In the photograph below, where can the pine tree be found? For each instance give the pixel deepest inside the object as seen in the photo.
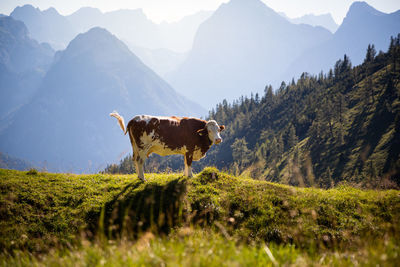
(327, 181)
(269, 94)
(257, 98)
(282, 88)
(328, 116)
(370, 89)
(280, 146)
(371, 53)
(240, 152)
(341, 107)
(276, 174)
(291, 137)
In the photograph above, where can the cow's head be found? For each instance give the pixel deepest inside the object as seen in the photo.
(212, 129)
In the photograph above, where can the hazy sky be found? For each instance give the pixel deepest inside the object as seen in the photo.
(170, 10)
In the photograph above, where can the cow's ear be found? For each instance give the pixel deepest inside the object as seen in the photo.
(221, 128)
(202, 132)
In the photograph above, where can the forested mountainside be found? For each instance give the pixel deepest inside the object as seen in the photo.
(340, 126)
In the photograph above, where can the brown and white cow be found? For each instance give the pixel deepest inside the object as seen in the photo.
(190, 137)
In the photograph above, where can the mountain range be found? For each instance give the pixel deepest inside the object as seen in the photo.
(67, 124)
(245, 45)
(45, 26)
(130, 25)
(50, 102)
(241, 41)
(161, 46)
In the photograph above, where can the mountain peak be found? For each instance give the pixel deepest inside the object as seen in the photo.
(129, 12)
(24, 10)
(51, 11)
(96, 36)
(360, 5)
(249, 10)
(88, 9)
(98, 31)
(97, 45)
(246, 4)
(359, 9)
(26, 7)
(360, 13)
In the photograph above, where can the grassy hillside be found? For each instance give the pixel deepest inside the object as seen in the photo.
(211, 219)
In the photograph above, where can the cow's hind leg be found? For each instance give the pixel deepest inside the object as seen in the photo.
(140, 169)
(188, 165)
(139, 162)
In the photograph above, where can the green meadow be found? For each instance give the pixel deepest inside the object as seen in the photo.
(213, 219)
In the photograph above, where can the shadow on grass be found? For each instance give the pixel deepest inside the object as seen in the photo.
(141, 207)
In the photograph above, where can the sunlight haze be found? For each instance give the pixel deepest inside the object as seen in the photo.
(173, 10)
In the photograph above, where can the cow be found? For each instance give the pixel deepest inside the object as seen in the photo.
(190, 137)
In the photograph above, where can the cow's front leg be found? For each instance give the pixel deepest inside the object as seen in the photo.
(188, 165)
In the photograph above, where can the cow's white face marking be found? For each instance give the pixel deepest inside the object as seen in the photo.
(213, 132)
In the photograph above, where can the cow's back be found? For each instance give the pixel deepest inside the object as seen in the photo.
(174, 133)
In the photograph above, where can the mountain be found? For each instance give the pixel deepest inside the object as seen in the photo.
(242, 47)
(67, 123)
(46, 26)
(362, 25)
(323, 20)
(23, 63)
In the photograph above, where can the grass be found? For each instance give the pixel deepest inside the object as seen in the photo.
(188, 247)
(211, 219)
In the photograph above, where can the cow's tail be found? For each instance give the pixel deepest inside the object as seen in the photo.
(120, 119)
